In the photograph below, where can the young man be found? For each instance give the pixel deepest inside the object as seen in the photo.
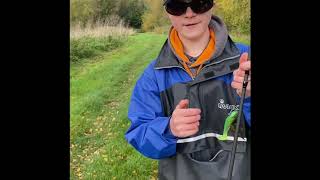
(181, 103)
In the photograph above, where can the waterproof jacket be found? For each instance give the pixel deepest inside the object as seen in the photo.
(163, 84)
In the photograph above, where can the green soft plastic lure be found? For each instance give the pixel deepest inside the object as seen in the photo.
(227, 124)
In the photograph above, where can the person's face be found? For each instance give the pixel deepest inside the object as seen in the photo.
(191, 25)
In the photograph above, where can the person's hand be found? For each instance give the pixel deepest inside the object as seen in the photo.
(238, 75)
(184, 121)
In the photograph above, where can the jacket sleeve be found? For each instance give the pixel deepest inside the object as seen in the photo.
(247, 101)
(149, 132)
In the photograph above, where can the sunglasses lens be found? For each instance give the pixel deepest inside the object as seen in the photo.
(201, 6)
(178, 8)
(175, 8)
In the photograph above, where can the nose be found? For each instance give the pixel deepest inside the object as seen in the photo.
(189, 13)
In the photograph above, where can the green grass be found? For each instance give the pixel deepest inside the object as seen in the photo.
(88, 47)
(100, 93)
(101, 87)
(243, 38)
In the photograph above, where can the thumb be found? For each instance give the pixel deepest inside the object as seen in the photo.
(183, 104)
(243, 58)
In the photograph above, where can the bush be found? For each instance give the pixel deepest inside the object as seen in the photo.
(91, 11)
(131, 12)
(235, 13)
(87, 47)
(154, 17)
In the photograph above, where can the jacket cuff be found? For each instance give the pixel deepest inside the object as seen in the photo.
(167, 133)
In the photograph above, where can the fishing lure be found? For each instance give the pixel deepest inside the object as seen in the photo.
(227, 124)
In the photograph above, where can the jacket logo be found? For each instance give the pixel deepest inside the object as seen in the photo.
(222, 105)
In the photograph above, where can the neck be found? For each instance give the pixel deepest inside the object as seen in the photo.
(194, 47)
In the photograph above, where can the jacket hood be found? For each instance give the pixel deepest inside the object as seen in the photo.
(168, 58)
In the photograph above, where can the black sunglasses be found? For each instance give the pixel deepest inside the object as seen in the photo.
(177, 8)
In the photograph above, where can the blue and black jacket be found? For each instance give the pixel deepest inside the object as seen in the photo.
(161, 87)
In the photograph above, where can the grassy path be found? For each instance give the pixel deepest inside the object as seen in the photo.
(100, 94)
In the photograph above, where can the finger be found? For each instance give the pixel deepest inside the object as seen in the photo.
(236, 85)
(183, 104)
(239, 91)
(191, 119)
(245, 66)
(239, 79)
(188, 112)
(188, 127)
(243, 58)
(239, 73)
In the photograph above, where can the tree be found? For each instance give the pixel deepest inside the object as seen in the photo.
(81, 11)
(154, 15)
(235, 13)
(131, 11)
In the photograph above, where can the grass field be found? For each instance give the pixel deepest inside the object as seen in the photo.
(100, 93)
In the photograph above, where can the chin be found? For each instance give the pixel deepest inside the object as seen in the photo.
(192, 35)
